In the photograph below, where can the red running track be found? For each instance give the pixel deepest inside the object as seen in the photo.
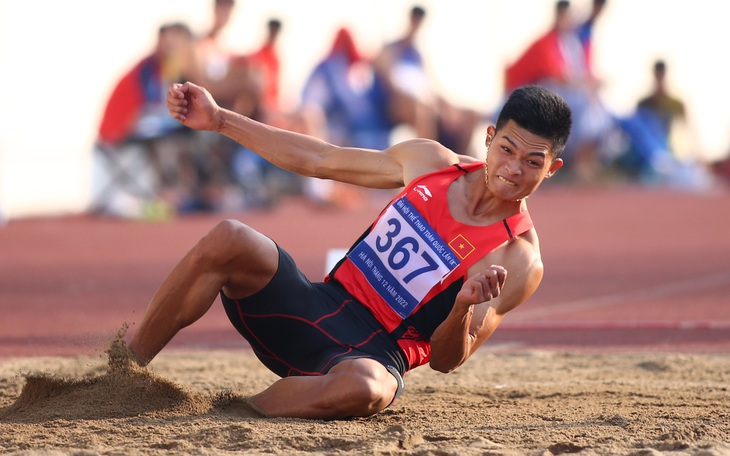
(627, 269)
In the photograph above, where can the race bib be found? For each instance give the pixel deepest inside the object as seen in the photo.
(403, 257)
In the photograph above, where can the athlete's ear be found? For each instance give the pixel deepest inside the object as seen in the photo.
(554, 166)
(490, 135)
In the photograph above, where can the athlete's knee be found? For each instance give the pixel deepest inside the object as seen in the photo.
(369, 391)
(372, 395)
(222, 243)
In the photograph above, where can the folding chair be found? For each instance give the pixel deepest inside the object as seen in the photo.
(123, 178)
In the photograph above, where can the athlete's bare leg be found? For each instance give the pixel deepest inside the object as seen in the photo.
(241, 261)
(354, 387)
(232, 257)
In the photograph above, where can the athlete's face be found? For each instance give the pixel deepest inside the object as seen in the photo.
(517, 161)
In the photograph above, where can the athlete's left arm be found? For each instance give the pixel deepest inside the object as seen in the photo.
(480, 306)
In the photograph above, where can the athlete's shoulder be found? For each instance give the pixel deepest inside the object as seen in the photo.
(423, 146)
(520, 251)
(422, 156)
(524, 250)
(520, 255)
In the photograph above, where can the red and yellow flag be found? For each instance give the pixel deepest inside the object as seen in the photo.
(461, 246)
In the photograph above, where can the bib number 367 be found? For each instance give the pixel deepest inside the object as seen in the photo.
(401, 249)
(403, 258)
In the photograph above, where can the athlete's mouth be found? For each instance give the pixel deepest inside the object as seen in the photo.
(507, 181)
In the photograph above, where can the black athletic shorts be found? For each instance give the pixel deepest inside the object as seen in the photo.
(297, 327)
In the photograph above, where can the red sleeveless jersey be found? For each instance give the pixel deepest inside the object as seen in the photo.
(412, 261)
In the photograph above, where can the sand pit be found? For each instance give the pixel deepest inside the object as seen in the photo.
(122, 390)
(510, 403)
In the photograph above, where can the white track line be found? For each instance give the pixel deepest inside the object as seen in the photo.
(659, 291)
(617, 324)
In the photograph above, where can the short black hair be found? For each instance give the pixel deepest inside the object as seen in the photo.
(541, 112)
(177, 27)
(418, 12)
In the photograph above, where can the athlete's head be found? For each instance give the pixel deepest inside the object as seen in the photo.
(540, 112)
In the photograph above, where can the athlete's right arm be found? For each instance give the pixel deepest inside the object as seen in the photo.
(306, 155)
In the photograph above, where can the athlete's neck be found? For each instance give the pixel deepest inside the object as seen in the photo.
(471, 202)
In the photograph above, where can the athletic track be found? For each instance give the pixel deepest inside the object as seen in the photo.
(627, 269)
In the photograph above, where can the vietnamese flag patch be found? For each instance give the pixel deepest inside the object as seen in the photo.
(461, 246)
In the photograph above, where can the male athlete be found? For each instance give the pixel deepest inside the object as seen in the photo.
(428, 282)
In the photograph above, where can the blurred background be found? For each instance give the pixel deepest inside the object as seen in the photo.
(61, 62)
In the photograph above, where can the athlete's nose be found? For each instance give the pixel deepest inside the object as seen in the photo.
(513, 167)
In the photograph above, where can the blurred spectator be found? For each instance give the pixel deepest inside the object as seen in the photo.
(262, 182)
(340, 90)
(215, 59)
(265, 67)
(585, 31)
(227, 77)
(668, 109)
(136, 107)
(263, 101)
(656, 154)
(136, 130)
(409, 98)
(230, 78)
(557, 61)
(341, 86)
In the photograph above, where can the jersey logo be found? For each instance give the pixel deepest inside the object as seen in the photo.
(462, 246)
(412, 334)
(423, 191)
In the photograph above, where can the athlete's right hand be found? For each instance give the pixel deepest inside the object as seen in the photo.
(483, 286)
(193, 106)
